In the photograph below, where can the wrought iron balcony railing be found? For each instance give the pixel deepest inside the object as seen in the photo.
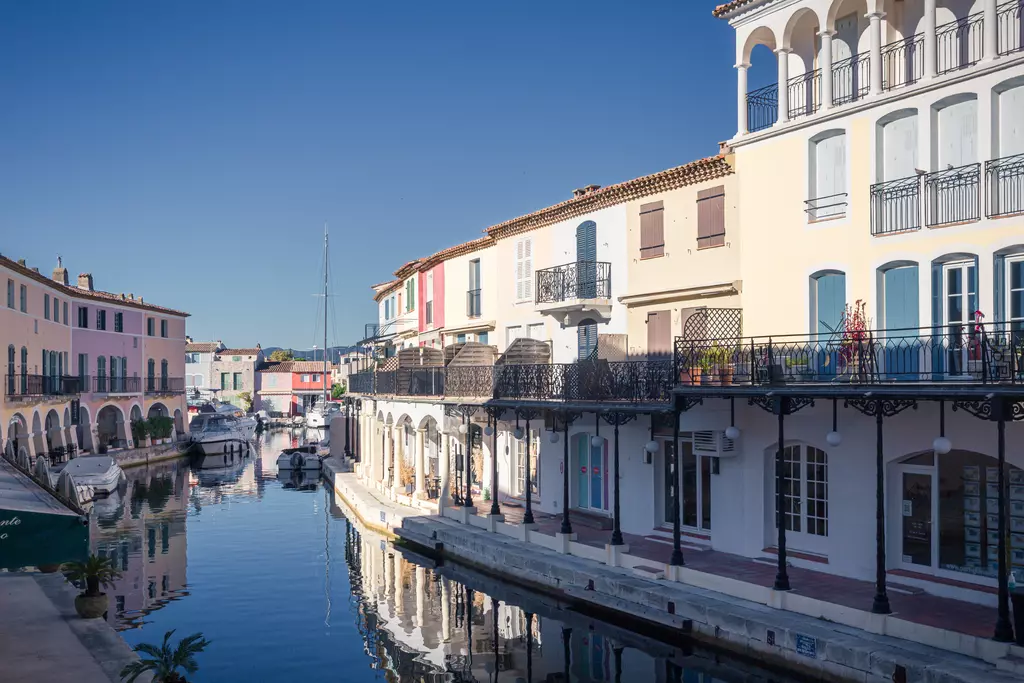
(988, 353)
(577, 280)
(851, 78)
(29, 386)
(896, 206)
(1004, 186)
(804, 94)
(953, 195)
(762, 107)
(1009, 29)
(903, 62)
(469, 380)
(626, 381)
(165, 385)
(362, 382)
(101, 384)
(960, 43)
(831, 206)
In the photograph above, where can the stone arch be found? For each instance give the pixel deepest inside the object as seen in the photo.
(18, 434)
(389, 420)
(762, 35)
(110, 427)
(158, 409)
(51, 430)
(795, 34)
(84, 429)
(135, 412)
(842, 8)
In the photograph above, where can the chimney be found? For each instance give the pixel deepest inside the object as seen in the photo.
(131, 296)
(591, 188)
(21, 262)
(85, 281)
(578, 192)
(724, 149)
(60, 273)
(188, 339)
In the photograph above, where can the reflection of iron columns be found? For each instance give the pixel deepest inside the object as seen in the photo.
(880, 409)
(566, 650)
(1004, 630)
(677, 546)
(617, 419)
(528, 414)
(529, 646)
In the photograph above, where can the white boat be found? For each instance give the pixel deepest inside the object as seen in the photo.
(320, 418)
(84, 478)
(300, 458)
(217, 440)
(247, 423)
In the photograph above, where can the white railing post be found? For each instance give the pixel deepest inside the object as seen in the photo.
(825, 59)
(876, 51)
(783, 58)
(741, 99)
(929, 39)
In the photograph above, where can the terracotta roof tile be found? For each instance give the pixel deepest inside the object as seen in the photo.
(456, 251)
(698, 171)
(724, 9)
(201, 347)
(308, 366)
(95, 295)
(239, 352)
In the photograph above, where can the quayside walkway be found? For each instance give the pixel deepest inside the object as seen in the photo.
(823, 627)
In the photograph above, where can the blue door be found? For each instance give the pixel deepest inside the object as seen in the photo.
(829, 309)
(902, 338)
(586, 260)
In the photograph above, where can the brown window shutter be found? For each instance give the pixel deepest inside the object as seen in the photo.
(652, 230)
(659, 334)
(711, 217)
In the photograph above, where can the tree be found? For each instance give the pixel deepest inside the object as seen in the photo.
(282, 355)
(337, 391)
(246, 399)
(165, 662)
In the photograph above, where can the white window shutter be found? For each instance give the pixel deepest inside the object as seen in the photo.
(839, 164)
(527, 269)
(519, 270)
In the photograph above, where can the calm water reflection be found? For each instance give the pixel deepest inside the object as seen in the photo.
(288, 589)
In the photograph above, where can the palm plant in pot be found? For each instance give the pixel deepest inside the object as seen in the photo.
(165, 661)
(96, 572)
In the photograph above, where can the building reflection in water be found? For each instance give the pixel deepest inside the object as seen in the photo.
(141, 529)
(425, 623)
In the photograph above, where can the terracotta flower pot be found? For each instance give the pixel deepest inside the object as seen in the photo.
(725, 374)
(91, 606)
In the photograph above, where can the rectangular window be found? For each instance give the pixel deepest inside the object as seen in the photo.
(66, 321)
(410, 295)
(535, 331)
(711, 217)
(225, 381)
(46, 306)
(521, 465)
(460, 339)
(482, 337)
(305, 378)
(83, 370)
(83, 317)
(150, 327)
(10, 294)
(473, 294)
(237, 381)
(524, 269)
(163, 328)
(56, 310)
(118, 322)
(1015, 296)
(316, 378)
(512, 333)
(429, 298)
(652, 230)
(24, 298)
(101, 319)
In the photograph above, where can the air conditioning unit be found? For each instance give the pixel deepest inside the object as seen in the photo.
(714, 443)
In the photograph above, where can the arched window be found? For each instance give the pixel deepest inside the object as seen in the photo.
(827, 302)
(586, 338)
(828, 194)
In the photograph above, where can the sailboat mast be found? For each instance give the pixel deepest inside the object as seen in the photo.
(326, 266)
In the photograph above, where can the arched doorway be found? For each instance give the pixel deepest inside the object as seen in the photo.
(157, 410)
(38, 436)
(84, 429)
(947, 521)
(51, 431)
(431, 447)
(110, 427)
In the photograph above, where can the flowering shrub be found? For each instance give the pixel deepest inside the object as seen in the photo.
(855, 329)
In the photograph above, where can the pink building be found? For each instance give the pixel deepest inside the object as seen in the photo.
(431, 304)
(81, 364)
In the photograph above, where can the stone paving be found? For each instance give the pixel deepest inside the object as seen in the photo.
(43, 639)
(841, 653)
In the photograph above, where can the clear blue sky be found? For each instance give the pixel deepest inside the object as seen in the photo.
(191, 152)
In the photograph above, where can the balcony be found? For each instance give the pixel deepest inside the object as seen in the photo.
(825, 208)
(896, 206)
(165, 385)
(952, 196)
(37, 386)
(990, 353)
(102, 384)
(1004, 184)
(644, 381)
(1008, 27)
(575, 287)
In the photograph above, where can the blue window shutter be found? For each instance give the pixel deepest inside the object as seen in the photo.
(936, 351)
(586, 241)
(831, 300)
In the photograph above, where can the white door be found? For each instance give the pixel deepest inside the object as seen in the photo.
(959, 286)
(805, 502)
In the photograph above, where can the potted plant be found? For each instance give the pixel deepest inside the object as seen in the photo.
(164, 662)
(96, 572)
(718, 362)
(140, 433)
(160, 427)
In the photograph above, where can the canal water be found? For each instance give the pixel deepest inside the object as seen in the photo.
(287, 588)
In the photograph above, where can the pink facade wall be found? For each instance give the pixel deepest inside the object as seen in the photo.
(171, 347)
(31, 330)
(438, 307)
(95, 343)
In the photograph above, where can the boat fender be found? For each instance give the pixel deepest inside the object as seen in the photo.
(43, 471)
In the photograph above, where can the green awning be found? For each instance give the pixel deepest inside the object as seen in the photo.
(36, 529)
